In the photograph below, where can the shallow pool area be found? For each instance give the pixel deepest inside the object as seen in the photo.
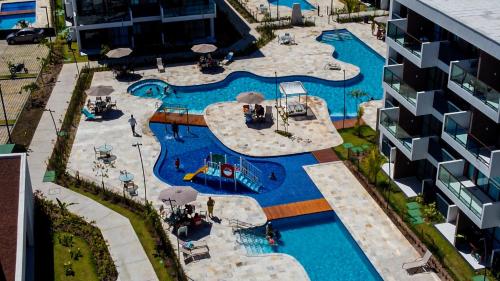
(304, 5)
(192, 148)
(320, 242)
(348, 48)
(10, 21)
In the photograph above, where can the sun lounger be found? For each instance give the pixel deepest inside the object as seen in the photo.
(295, 109)
(333, 66)
(228, 59)
(191, 253)
(159, 64)
(269, 114)
(88, 114)
(418, 263)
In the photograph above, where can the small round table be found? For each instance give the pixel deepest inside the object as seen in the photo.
(105, 148)
(126, 177)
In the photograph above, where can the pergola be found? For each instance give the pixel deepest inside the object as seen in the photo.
(290, 89)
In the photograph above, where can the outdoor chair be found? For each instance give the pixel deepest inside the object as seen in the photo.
(191, 253)
(88, 114)
(418, 263)
(159, 64)
(228, 59)
(262, 9)
(131, 187)
(97, 153)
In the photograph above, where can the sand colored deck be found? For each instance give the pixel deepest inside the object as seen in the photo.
(297, 209)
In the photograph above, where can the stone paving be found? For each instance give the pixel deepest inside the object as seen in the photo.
(381, 241)
(227, 122)
(124, 246)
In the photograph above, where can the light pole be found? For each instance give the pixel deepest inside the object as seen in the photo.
(343, 115)
(47, 15)
(5, 115)
(138, 145)
(53, 120)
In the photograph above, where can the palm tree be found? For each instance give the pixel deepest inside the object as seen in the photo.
(358, 94)
(63, 206)
(357, 126)
(350, 6)
(375, 161)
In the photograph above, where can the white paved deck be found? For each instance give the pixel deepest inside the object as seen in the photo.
(125, 248)
(381, 241)
(227, 122)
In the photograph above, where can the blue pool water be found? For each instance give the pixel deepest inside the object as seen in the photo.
(18, 6)
(304, 5)
(348, 48)
(292, 184)
(321, 243)
(9, 21)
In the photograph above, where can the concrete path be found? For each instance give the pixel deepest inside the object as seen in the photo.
(126, 250)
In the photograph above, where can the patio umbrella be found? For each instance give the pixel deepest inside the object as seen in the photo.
(99, 91)
(204, 48)
(250, 97)
(178, 195)
(118, 53)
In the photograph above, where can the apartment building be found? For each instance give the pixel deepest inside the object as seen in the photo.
(141, 24)
(440, 125)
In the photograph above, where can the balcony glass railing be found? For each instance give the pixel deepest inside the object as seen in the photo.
(400, 86)
(97, 18)
(189, 10)
(439, 153)
(404, 39)
(145, 10)
(461, 135)
(399, 133)
(456, 187)
(475, 87)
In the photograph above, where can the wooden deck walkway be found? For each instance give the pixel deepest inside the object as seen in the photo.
(18, 12)
(297, 209)
(181, 119)
(325, 155)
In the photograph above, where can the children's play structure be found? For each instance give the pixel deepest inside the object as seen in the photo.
(217, 166)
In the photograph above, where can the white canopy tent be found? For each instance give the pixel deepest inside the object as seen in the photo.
(289, 89)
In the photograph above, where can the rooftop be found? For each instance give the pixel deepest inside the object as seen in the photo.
(482, 16)
(9, 183)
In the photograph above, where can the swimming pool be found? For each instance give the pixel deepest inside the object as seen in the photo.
(10, 21)
(292, 184)
(348, 48)
(18, 6)
(320, 242)
(304, 5)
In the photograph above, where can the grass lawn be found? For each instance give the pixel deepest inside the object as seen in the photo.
(439, 246)
(70, 56)
(140, 228)
(84, 267)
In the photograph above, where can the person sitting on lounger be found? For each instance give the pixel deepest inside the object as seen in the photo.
(197, 219)
(259, 111)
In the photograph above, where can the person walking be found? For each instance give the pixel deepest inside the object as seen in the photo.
(132, 123)
(177, 163)
(210, 207)
(175, 130)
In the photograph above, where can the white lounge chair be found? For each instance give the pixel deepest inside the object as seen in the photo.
(228, 59)
(418, 263)
(333, 66)
(159, 64)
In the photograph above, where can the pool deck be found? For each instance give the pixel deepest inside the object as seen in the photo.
(381, 241)
(227, 123)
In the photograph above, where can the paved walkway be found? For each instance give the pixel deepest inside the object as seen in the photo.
(125, 248)
(381, 241)
(314, 132)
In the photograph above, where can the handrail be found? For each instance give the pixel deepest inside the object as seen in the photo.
(475, 86)
(186, 10)
(447, 178)
(472, 144)
(237, 224)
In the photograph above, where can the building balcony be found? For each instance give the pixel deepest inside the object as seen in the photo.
(456, 133)
(414, 147)
(436, 153)
(469, 198)
(421, 52)
(417, 102)
(463, 81)
(146, 12)
(410, 186)
(189, 11)
(108, 20)
(441, 106)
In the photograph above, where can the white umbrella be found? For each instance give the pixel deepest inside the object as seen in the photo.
(99, 91)
(204, 48)
(178, 195)
(118, 53)
(250, 97)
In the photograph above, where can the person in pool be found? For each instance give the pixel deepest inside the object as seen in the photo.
(269, 230)
(149, 92)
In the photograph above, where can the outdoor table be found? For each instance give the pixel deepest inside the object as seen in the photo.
(126, 177)
(105, 148)
(109, 159)
(357, 149)
(347, 145)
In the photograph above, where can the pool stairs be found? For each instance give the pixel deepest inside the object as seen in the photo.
(252, 237)
(336, 36)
